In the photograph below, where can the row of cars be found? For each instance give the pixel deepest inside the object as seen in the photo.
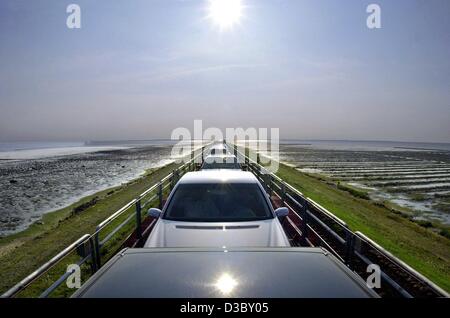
(220, 205)
(219, 236)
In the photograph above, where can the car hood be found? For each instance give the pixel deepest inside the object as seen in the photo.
(266, 233)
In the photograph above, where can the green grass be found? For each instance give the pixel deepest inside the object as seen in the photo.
(443, 206)
(418, 196)
(22, 253)
(353, 191)
(421, 248)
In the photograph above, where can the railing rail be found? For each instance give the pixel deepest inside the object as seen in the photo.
(45, 267)
(401, 264)
(157, 193)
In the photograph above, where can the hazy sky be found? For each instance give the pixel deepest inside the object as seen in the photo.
(139, 69)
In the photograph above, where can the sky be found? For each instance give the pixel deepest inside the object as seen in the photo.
(138, 69)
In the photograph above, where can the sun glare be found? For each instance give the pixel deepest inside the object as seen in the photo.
(226, 284)
(225, 13)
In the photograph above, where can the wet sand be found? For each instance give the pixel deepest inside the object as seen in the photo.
(31, 187)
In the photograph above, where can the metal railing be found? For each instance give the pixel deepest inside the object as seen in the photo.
(46, 267)
(310, 224)
(128, 220)
(92, 250)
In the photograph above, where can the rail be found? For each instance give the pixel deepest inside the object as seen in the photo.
(45, 267)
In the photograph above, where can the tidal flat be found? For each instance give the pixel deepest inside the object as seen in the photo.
(412, 178)
(31, 187)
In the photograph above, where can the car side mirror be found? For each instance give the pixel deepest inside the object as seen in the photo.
(281, 212)
(154, 212)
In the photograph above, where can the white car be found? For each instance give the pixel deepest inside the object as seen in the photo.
(218, 149)
(218, 208)
(221, 162)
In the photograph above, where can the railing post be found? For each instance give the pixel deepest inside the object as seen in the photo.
(160, 195)
(172, 180)
(138, 220)
(283, 191)
(349, 245)
(98, 258)
(268, 182)
(203, 153)
(305, 220)
(92, 247)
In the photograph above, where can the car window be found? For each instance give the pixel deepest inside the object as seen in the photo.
(221, 164)
(218, 202)
(219, 151)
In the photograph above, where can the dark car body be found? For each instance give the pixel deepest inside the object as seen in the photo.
(237, 272)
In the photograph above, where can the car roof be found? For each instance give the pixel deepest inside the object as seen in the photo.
(218, 146)
(220, 156)
(205, 273)
(218, 176)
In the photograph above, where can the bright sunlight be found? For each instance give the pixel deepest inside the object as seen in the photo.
(225, 13)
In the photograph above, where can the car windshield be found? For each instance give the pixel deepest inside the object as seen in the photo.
(218, 202)
(218, 151)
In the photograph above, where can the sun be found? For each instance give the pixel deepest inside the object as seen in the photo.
(225, 13)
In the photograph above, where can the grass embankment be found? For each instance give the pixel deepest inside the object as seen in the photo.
(421, 248)
(24, 252)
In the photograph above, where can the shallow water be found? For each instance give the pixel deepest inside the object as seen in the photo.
(421, 171)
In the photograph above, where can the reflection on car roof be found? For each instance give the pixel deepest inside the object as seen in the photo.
(220, 156)
(218, 176)
(218, 146)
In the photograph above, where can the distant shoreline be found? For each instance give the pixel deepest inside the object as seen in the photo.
(41, 153)
(417, 148)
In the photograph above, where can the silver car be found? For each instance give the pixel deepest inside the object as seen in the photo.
(218, 149)
(218, 208)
